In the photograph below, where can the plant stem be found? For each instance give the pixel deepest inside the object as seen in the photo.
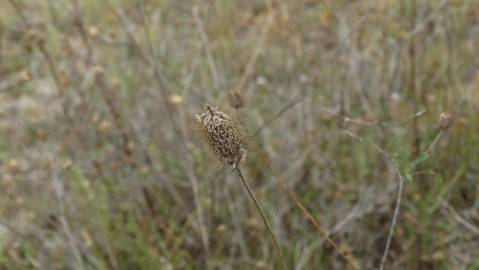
(263, 216)
(348, 258)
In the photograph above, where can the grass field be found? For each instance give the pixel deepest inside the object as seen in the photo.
(368, 110)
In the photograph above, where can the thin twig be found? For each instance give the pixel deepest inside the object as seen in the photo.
(190, 171)
(357, 121)
(353, 214)
(79, 23)
(205, 42)
(1, 41)
(400, 186)
(18, 10)
(460, 219)
(51, 65)
(395, 216)
(31, 240)
(308, 214)
(397, 208)
(263, 216)
(278, 114)
(349, 259)
(59, 192)
(256, 51)
(179, 128)
(436, 139)
(56, 81)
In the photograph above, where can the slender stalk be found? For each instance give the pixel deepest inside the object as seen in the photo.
(395, 218)
(399, 198)
(309, 216)
(349, 258)
(263, 216)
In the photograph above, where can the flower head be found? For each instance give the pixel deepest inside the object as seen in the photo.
(222, 135)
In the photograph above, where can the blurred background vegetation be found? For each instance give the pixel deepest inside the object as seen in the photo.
(102, 168)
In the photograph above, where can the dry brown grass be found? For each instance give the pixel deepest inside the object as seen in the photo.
(101, 170)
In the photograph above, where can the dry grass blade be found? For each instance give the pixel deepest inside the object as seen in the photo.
(309, 216)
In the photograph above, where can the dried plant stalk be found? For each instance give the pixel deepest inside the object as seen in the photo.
(263, 216)
(225, 139)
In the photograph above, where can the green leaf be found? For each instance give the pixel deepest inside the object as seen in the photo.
(420, 159)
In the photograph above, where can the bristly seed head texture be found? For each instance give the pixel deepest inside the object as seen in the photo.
(222, 135)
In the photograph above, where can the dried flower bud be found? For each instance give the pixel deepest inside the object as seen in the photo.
(145, 170)
(445, 120)
(93, 31)
(104, 126)
(33, 38)
(130, 147)
(98, 71)
(175, 99)
(26, 75)
(66, 163)
(63, 77)
(222, 135)
(221, 228)
(236, 99)
(12, 166)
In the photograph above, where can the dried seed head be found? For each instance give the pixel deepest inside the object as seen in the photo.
(445, 120)
(34, 38)
(236, 99)
(222, 135)
(93, 31)
(175, 99)
(98, 71)
(26, 75)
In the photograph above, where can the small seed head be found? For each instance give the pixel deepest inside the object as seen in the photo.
(98, 71)
(236, 99)
(34, 38)
(175, 99)
(445, 120)
(222, 135)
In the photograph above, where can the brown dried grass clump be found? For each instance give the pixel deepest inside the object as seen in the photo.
(222, 134)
